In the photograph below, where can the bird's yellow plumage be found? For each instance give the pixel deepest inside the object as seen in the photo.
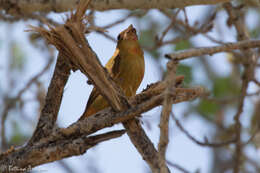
(126, 67)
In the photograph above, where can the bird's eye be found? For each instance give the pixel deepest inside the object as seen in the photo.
(133, 30)
(118, 37)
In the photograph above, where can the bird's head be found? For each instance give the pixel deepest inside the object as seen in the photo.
(127, 41)
(128, 34)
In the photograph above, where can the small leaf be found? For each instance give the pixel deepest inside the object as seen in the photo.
(146, 38)
(17, 58)
(254, 33)
(184, 44)
(185, 70)
(17, 137)
(228, 133)
(207, 108)
(224, 87)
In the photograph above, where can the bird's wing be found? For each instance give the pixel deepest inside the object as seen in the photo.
(113, 68)
(94, 94)
(113, 64)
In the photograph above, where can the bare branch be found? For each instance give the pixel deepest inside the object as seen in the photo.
(143, 102)
(167, 108)
(205, 143)
(227, 47)
(53, 100)
(11, 101)
(52, 151)
(236, 18)
(30, 6)
(72, 139)
(176, 166)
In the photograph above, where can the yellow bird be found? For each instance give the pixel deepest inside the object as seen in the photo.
(126, 67)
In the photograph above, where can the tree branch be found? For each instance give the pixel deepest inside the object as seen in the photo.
(11, 101)
(228, 47)
(236, 18)
(107, 118)
(51, 151)
(30, 6)
(53, 100)
(167, 108)
(204, 143)
(72, 139)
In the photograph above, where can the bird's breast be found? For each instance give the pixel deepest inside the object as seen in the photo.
(131, 74)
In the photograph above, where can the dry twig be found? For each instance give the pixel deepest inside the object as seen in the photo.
(227, 47)
(236, 18)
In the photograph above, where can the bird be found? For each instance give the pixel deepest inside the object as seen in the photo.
(126, 67)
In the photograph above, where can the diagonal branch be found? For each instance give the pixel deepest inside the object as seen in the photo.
(52, 101)
(107, 118)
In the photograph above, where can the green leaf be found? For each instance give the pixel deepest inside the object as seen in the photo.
(207, 108)
(185, 70)
(146, 38)
(224, 87)
(254, 33)
(17, 137)
(184, 44)
(17, 58)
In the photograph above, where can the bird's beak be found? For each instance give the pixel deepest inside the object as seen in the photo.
(130, 27)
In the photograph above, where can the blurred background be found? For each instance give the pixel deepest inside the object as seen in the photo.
(27, 64)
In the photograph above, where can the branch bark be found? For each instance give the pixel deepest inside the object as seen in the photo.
(53, 100)
(51, 151)
(228, 47)
(167, 108)
(66, 142)
(236, 18)
(29, 6)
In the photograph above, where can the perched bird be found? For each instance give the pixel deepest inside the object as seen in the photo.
(126, 67)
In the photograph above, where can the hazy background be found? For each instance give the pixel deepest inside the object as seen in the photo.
(22, 57)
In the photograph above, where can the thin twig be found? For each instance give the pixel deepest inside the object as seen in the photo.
(176, 166)
(205, 143)
(236, 18)
(11, 101)
(227, 47)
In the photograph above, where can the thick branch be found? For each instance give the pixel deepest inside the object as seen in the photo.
(30, 6)
(51, 151)
(143, 102)
(72, 137)
(53, 100)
